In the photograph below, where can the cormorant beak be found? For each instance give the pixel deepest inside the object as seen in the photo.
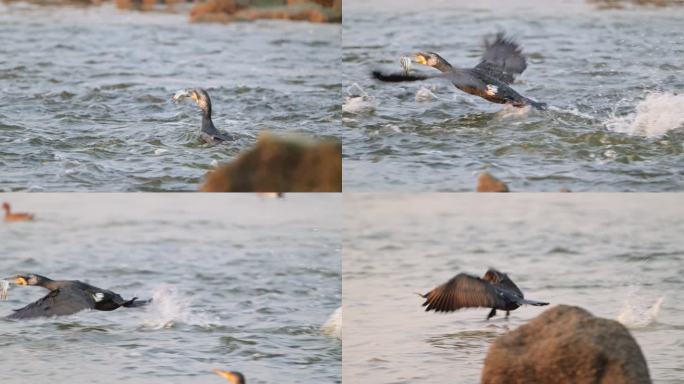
(233, 378)
(419, 58)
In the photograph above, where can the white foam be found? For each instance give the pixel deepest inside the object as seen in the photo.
(169, 307)
(656, 115)
(358, 103)
(637, 315)
(333, 326)
(4, 287)
(425, 94)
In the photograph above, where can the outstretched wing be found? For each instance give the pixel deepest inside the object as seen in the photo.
(396, 77)
(462, 291)
(502, 59)
(63, 301)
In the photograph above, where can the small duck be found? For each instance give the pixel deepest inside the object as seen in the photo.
(9, 216)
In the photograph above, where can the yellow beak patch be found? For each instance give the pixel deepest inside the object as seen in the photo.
(21, 281)
(227, 375)
(420, 59)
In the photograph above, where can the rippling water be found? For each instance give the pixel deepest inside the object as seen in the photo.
(611, 77)
(618, 256)
(239, 282)
(86, 94)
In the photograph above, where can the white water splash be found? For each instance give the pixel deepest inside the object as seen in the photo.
(638, 315)
(357, 103)
(425, 94)
(657, 114)
(169, 307)
(333, 326)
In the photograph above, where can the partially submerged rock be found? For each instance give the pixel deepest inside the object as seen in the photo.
(278, 164)
(566, 344)
(488, 183)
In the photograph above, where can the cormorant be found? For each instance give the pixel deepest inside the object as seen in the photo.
(9, 216)
(232, 376)
(67, 297)
(494, 290)
(501, 62)
(209, 132)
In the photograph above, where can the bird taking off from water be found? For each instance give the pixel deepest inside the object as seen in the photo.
(67, 297)
(490, 79)
(494, 290)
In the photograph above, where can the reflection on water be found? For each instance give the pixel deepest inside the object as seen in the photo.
(564, 248)
(238, 282)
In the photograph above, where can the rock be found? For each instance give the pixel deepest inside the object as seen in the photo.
(278, 164)
(319, 11)
(488, 183)
(566, 344)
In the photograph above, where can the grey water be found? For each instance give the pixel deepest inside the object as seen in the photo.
(612, 78)
(238, 283)
(619, 256)
(85, 94)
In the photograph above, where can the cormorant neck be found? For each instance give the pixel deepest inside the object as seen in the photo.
(443, 66)
(47, 283)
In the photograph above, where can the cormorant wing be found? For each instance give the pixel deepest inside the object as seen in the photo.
(62, 301)
(462, 291)
(396, 77)
(502, 59)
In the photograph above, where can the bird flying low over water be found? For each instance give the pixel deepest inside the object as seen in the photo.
(67, 297)
(494, 290)
(490, 79)
(209, 132)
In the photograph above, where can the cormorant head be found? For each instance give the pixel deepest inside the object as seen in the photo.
(199, 95)
(430, 59)
(29, 279)
(494, 276)
(233, 377)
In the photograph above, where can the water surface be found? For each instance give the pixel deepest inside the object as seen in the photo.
(239, 282)
(86, 94)
(612, 79)
(619, 256)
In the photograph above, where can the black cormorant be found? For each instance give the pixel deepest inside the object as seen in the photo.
(490, 79)
(209, 132)
(67, 297)
(232, 376)
(494, 290)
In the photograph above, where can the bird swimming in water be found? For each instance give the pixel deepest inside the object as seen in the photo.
(67, 297)
(9, 216)
(494, 290)
(209, 132)
(232, 376)
(501, 62)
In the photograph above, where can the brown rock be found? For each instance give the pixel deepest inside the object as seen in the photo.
(488, 183)
(566, 344)
(278, 164)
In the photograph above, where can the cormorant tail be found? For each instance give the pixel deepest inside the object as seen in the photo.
(532, 302)
(134, 303)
